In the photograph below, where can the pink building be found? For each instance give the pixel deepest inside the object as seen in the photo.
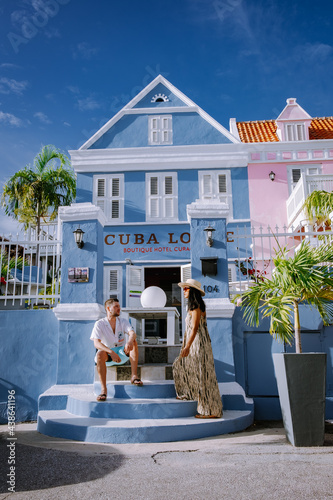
(288, 159)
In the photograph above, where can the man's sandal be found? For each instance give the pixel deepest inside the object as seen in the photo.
(101, 397)
(136, 381)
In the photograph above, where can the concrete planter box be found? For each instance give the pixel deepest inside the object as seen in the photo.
(301, 380)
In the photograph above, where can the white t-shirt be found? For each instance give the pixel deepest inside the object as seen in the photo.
(102, 331)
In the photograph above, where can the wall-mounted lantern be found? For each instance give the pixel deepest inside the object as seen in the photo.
(272, 175)
(78, 236)
(209, 235)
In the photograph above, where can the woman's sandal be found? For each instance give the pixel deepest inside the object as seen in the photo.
(198, 415)
(136, 381)
(101, 397)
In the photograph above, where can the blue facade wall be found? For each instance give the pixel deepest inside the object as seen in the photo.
(240, 193)
(76, 353)
(84, 187)
(135, 197)
(29, 353)
(89, 256)
(131, 131)
(188, 191)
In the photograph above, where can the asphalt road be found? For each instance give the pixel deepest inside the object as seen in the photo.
(255, 464)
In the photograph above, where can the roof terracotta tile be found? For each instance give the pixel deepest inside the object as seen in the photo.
(321, 128)
(265, 130)
(259, 131)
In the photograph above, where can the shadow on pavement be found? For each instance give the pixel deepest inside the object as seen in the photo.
(43, 468)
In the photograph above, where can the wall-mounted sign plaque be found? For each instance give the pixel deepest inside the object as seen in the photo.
(78, 274)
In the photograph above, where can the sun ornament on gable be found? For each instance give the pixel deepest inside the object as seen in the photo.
(159, 98)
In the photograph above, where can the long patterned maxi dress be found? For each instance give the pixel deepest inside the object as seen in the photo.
(194, 376)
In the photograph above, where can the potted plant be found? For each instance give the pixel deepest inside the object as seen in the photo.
(307, 278)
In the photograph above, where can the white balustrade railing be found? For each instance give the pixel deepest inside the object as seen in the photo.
(251, 253)
(305, 186)
(30, 268)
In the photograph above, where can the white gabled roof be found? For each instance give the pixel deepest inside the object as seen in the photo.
(129, 108)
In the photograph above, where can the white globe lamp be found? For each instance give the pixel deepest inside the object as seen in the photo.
(153, 297)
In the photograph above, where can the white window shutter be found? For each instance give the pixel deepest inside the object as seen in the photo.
(154, 207)
(168, 185)
(160, 130)
(161, 193)
(222, 183)
(101, 194)
(115, 191)
(134, 285)
(300, 132)
(100, 188)
(115, 209)
(296, 175)
(112, 283)
(154, 185)
(207, 187)
(185, 272)
(168, 207)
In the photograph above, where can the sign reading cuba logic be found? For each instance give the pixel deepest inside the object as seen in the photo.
(150, 242)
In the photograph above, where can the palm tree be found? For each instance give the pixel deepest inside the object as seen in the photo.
(304, 278)
(35, 194)
(319, 206)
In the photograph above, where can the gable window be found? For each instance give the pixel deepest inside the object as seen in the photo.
(109, 196)
(161, 196)
(159, 130)
(216, 185)
(295, 173)
(294, 132)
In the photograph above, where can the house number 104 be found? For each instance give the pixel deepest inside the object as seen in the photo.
(211, 288)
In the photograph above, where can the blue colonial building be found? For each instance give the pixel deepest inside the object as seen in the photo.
(153, 184)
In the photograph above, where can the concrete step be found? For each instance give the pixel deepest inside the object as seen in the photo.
(62, 424)
(133, 414)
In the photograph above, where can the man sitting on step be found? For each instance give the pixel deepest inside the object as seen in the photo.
(110, 332)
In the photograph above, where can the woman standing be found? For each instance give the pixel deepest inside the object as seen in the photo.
(194, 370)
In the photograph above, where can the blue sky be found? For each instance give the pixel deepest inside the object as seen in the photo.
(67, 66)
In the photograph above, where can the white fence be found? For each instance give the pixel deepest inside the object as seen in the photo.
(251, 251)
(30, 269)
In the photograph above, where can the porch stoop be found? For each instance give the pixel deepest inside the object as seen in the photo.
(132, 414)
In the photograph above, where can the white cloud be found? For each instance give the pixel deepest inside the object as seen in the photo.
(88, 104)
(83, 50)
(8, 86)
(11, 119)
(314, 52)
(52, 33)
(9, 66)
(42, 117)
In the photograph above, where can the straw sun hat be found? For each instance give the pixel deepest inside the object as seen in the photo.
(192, 284)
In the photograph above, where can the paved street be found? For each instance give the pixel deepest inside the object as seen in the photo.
(254, 464)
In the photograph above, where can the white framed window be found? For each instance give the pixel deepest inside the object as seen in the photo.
(294, 132)
(294, 173)
(112, 283)
(161, 196)
(109, 196)
(159, 130)
(216, 185)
